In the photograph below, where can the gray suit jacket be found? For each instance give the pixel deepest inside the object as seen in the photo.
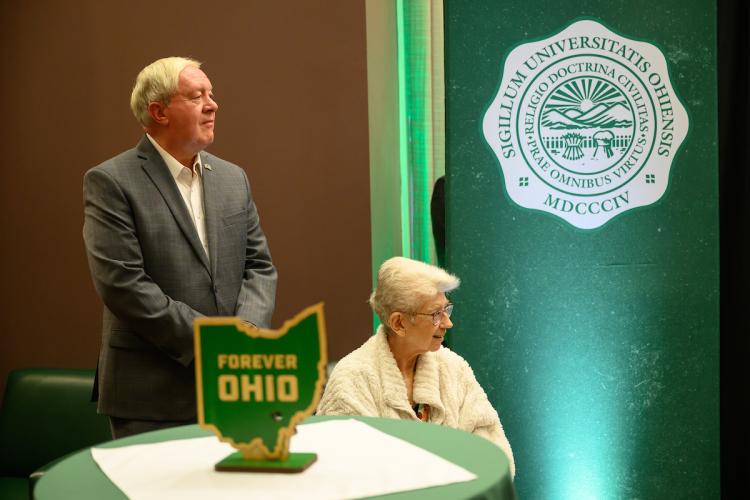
(154, 278)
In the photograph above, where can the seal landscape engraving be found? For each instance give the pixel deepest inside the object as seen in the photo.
(585, 124)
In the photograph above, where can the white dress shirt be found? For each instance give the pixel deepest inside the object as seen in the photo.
(190, 183)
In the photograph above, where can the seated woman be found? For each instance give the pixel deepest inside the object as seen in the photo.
(402, 371)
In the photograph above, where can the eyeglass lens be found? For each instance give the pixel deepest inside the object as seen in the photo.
(438, 315)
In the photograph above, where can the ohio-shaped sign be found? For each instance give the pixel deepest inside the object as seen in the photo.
(254, 385)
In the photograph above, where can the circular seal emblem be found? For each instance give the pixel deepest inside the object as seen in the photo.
(585, 124)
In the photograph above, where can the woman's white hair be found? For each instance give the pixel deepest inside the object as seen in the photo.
(157, 82)
(405, 284)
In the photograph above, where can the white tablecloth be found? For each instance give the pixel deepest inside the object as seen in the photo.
(354, 460)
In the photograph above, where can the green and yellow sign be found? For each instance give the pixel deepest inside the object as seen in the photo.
(254, 385)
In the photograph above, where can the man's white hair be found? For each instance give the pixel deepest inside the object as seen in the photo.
(157, 82)
(404, 285)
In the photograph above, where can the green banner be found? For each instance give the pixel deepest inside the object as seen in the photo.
(253, 385)
(582, 218)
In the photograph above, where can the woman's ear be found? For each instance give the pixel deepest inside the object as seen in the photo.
(396, 323)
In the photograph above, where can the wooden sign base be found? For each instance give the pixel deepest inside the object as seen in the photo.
(297, 462)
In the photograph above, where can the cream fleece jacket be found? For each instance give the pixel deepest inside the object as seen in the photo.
(367, 382)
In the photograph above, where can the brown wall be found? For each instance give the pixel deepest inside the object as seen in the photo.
(290, 78)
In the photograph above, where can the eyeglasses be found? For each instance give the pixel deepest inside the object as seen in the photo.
(437, 316)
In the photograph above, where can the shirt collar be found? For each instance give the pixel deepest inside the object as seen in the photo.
(174, 166)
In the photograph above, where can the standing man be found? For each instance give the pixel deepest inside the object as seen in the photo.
(171, 233)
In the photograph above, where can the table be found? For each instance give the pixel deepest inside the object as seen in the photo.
(79, 477)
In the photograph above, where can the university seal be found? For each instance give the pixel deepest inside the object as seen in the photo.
(585, 124)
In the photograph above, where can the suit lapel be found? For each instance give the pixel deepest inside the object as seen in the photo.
(159, 174)
(211, 197)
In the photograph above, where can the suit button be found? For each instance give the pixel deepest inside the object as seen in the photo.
(216, 289)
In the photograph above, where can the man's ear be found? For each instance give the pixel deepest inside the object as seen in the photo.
(157, 111)
(396, 323)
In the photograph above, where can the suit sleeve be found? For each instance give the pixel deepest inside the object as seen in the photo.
(257, 296)
(117, 269)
